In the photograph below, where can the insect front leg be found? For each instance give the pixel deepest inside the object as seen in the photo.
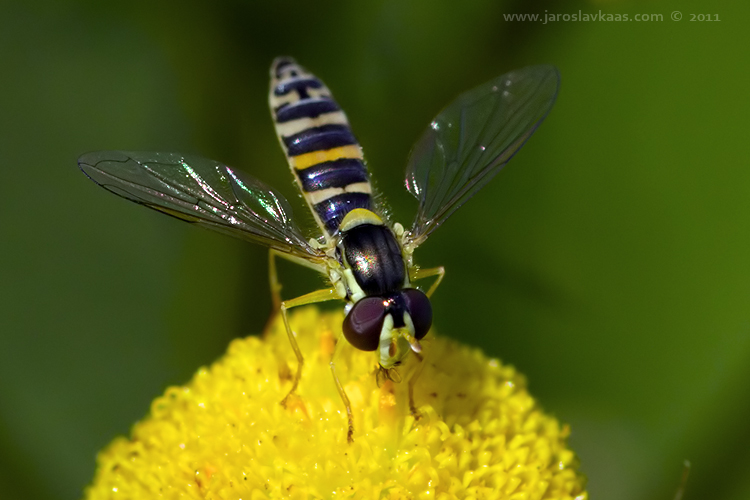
(412, 381)
(309, 298)
(418, 274)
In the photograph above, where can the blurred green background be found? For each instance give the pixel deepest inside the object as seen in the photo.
(609, 261)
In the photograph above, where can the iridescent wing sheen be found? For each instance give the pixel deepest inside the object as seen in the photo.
(472, 139)
(204, 192)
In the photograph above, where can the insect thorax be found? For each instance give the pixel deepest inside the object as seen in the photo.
(370, 256)
(374, 257)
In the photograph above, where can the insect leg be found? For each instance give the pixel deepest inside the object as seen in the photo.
(418, 274)
(412, 381)
(273, 279)
(273, 276)
(308, 298)
(342, 393)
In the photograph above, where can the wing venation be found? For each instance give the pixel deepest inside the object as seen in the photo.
(203, 192)
(468, 143)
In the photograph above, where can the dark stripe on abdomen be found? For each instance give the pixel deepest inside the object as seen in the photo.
(305, 109)
(319, 139)
(280, 63)
(300, 85)
(334, 209)
(333, 174)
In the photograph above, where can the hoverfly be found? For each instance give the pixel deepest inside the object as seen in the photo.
(367, 258)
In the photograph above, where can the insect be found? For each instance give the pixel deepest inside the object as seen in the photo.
(367, 258)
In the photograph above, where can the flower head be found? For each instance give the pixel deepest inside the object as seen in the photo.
(224, 435)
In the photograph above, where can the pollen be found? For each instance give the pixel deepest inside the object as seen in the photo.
(224, 435)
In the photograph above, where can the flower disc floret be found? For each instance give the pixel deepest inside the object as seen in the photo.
(225, 435)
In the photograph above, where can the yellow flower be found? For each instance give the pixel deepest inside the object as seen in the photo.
(224, 435)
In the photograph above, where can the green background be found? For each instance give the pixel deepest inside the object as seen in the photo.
(609, 261)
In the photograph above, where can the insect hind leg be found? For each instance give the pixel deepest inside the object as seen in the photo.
(273, 276)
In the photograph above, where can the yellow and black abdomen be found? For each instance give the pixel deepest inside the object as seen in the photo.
(323, 153)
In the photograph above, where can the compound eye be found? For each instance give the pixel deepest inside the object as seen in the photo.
(420, 310)
(364, 322)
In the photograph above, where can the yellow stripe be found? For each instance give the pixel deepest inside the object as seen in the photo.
(316, 197)
(360, 216)
(309, 159)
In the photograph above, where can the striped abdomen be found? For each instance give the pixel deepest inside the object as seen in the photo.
(324, 155)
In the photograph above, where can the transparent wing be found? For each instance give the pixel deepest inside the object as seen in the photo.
(203, 192)
(472, 139)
